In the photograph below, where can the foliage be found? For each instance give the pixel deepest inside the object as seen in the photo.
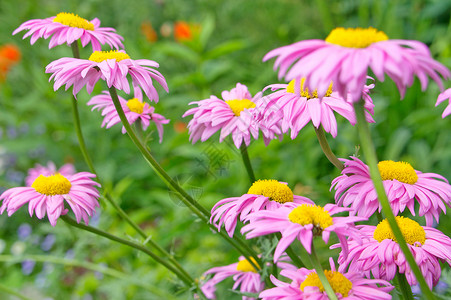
(36, 127)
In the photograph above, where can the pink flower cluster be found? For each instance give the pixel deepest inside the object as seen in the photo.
(328, 77)
(325, 78)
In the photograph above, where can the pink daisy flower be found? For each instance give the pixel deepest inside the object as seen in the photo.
(404, 186)
(292, 106)
(135, 110)
(111, 66)
(345, 56)
(67, 28)
(242, 272)
(305, 284)
(380, 255)
(446, 95)
(262, 195)
(232, 115)
(47, 194)
(50, 169)
(302, 222)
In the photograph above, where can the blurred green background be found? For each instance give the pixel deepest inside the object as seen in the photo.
(232, 37)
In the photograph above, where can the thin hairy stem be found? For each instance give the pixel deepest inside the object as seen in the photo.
(247, 162)
(187, 280)
(108, 197)
(322, 276)
(326, 148)
(404, 287)
(191, 203)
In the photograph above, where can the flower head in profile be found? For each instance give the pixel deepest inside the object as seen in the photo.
(50, 194)
(232, 115)
(66, 28)
(244, 274)
(302, 222)
(446, 95)
(111, 66)
(292, 106)
(404, 186)
(262, 195)
(305, 284)
(345, 56)
(379, 253)
(135, 110)
(50, 169)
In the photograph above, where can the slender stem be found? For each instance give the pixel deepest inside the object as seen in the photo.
(81, 140)
(326, 148)
(404, 286)
(108, 197)
(290, 252)
(88, 160)
(247, 163)
(7, 290)
(75, 49)
(322, 276)
(295, 258)
(187, 280)
(198, 209)
(89, 266)
(371, 159)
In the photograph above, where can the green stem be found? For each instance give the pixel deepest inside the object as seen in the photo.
(326, 148)
(88, 160)
(322, 276)
(291, 254)
(404, 287)
(89, 266)
(187, 280)
(108, 197)
(7, 290)
(295, 258)
(75, 49)
(81, 141)
(371, 159)
(247, 162)
(198, 209)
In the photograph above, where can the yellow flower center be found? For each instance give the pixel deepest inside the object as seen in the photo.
(238, 105)
(399, 170)
(412, 231)
(52, 185)
(99, 56)
(355, 37)
(73, 20)
(272, 189)
(311, 214)
(135, 105)
(339, 283)
(245, 266)
(305, 92)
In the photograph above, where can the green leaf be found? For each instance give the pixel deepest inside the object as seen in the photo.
(208, 26)
(179, 51)
(225, 48)
(397, 143)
